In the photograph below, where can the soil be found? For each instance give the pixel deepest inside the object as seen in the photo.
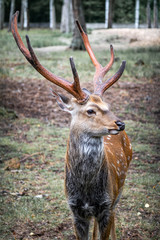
(125, 38)
(33, 98)
(121, 38)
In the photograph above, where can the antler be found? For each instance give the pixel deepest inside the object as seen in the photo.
(73, 88)
(99, 86)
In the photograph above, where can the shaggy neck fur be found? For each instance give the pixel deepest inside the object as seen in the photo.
(86, 155)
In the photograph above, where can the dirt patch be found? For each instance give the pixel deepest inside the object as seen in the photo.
(125, 38)
(33, 98)
(120, 38)
(30, 230)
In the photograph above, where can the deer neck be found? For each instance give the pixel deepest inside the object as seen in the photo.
(86, 153)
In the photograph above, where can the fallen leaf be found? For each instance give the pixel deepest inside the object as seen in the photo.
(11, 164)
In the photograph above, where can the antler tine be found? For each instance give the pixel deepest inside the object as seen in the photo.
(76, 83)
(87, 45)
(91, 54)
(75, 74)
(109, 65)
(99, 86)
(31, 57)
(17, 37)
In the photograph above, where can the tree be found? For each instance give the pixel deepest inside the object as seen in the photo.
(1, 14)
(137, 14)
(155, 14)
(24, 14)
(148, 14)
(77, 43)
(67, 17)
(108, 13)
(11, 13)
(52, 15)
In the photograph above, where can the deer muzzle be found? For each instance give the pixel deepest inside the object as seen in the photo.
(121, 125)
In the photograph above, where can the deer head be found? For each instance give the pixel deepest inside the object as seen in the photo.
(89, 112)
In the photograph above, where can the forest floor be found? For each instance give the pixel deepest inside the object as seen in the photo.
(33, 133)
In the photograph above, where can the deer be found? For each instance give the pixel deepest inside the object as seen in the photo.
(98, 149)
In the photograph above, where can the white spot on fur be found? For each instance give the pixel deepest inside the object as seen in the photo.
(118, 173)
(113, 165)
(86, 206)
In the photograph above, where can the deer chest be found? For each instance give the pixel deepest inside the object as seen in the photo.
(87, 197)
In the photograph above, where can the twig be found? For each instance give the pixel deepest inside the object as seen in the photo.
(33, 154)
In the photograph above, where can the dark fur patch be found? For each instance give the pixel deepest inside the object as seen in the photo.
(64, 98)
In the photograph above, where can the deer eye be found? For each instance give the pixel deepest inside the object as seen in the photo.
(91, 112)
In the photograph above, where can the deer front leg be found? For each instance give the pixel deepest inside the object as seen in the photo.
(113, 229)
(95, 232)
(81, 228)
(107, 227)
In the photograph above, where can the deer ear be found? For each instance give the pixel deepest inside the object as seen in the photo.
(63, 101)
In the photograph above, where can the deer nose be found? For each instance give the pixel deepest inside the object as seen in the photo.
(121, 125)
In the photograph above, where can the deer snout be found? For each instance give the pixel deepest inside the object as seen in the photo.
(121, 125)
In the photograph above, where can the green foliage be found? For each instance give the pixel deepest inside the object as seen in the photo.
(94, 11)
(124, 11)
(37, 13)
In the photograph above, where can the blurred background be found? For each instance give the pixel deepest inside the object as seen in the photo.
(34, 131)
(108, 14)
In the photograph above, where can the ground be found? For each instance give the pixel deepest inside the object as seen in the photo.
(34, 134)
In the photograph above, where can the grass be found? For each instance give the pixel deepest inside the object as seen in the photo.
(13, 64)
(32, 201)
(40, 174)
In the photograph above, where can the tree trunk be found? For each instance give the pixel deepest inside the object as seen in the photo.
(1, 14)
(137, 14)
(24, 15)
(148, 14)
(77, 43)
(110, 13)
(67, 17)
(52, 15)
(11, 13)
(155, 14)
(106, 13)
